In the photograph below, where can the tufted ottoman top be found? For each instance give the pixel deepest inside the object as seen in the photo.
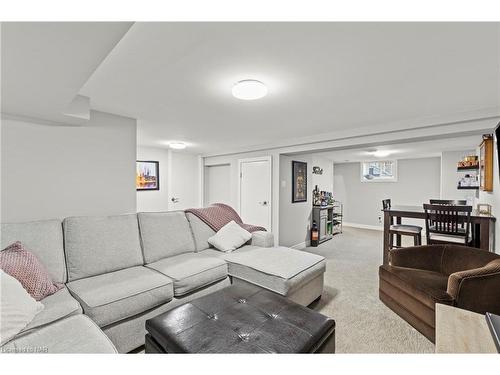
(239, 320)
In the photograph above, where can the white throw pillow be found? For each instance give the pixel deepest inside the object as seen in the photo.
(17, 307)
(229, 237)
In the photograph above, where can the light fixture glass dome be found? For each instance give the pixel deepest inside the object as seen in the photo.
(177, 145)
(249, 89)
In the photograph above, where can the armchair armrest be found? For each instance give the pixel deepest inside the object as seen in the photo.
(419, 257)
(477, 289)
(262, 239)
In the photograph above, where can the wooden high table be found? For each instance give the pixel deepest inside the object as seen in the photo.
(483, 226)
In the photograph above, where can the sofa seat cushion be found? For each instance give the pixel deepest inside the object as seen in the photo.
(279, 269)
(191, 271)
(114, 296)
(76, 334)
(57, 306)
(428, 287)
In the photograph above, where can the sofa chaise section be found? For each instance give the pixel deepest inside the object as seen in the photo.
(299, 278)
(295, 274)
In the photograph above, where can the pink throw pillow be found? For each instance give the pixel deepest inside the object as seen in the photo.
(25, 267)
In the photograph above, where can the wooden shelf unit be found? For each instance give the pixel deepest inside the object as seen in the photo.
(486, 164)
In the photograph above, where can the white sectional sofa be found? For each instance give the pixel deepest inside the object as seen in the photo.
(120, 271)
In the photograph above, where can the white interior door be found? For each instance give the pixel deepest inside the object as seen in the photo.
(217, 184)
(183, 181)
(255, 191)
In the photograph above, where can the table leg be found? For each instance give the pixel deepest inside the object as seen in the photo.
(398, 236)
(387, 225)
(486, 235)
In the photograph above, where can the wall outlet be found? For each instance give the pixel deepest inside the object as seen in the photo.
(380, 219)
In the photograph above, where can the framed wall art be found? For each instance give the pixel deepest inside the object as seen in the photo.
(299, 181)
(147, 176)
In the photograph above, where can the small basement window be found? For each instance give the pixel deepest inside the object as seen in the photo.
(379, 171)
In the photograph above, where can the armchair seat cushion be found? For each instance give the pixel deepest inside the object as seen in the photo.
(191, 271)
(428, 287)
(56, 306)
(114, 296)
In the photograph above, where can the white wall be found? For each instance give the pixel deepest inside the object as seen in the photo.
(450, 176)
(217, 184)
(179, 178)
(418, 181)
(55, 171)
(154, 200)
(493, 198)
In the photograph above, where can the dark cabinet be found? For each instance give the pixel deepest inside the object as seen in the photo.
(328, 220)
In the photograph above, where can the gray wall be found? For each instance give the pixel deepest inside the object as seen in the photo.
(295, 218)
(418, 181)
(52, 171)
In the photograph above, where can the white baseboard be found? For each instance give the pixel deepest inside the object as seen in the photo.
(301, 246)
(364, 226)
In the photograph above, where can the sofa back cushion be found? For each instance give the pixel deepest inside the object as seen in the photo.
(97, 245)
(201, 232)
(44, 239)
(460, 258)
(165, 234)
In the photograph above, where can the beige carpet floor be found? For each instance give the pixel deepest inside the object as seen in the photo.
(363, 323)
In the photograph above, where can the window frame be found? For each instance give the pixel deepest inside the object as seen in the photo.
(377, 180)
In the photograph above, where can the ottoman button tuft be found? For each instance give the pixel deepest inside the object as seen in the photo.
(212, 316)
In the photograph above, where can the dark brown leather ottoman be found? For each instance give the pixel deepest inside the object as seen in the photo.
(240, 320)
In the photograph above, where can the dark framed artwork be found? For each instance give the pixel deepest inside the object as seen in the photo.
(147, 176)
(299, 181)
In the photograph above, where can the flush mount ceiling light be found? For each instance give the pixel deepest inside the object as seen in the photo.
(177, 145)
(249, 89)
(381, 153)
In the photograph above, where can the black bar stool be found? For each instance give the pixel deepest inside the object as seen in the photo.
(402, 229)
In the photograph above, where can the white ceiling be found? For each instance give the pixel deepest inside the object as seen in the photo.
(44, 64)
(176, 78)
(409, 150)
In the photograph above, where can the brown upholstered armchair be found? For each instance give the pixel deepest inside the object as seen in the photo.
(419, 277)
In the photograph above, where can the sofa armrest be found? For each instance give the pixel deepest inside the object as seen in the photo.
(419, 257)
(262, 239)
(477, 289)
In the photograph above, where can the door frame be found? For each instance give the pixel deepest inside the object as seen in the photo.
(269, 159)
